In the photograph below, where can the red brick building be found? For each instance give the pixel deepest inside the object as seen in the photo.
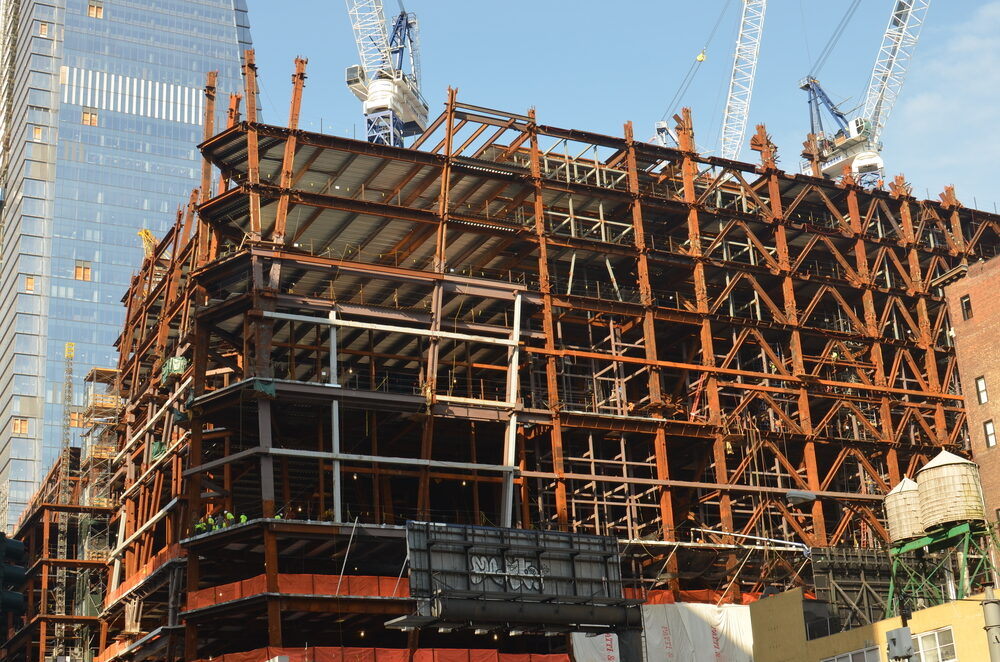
(974, 309)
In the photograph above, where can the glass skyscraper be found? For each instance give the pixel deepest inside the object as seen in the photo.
(101, 109)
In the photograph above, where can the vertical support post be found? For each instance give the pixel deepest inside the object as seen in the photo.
(761, 142)
(334, 380)
(872, 327)
(548, 327)
(271, 570)
(288, 160)
(232, 119)
(437, 298)
(266, 459)
(991, 619)
(209, 124)
(901, 191)
(689, 172)
(667, 523)
(510, 437)
(253, 151)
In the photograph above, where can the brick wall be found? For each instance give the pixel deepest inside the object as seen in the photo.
(977, 347)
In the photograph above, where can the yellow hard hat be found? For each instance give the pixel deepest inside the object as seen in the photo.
(701, 57)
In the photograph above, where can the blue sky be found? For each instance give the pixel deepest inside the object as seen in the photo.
(595, 64)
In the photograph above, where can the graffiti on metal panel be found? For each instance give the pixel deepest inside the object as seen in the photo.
(505, 573)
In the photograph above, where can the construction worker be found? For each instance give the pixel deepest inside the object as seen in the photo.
(200, 527)
(243, 518)
(230, 519)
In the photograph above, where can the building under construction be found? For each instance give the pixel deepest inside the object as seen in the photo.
(718, 364)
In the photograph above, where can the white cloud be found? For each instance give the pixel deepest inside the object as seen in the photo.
(944, 129)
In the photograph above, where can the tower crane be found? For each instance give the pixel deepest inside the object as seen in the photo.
(387, 82)
(734, 119)
(857, 142)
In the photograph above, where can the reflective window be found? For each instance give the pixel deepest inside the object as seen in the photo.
(81, 271)
(981, 393)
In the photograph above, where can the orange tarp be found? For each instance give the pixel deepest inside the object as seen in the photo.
(301, 584)
(148, 568)
(332, 654)
(363, 585)
(703, 596)
(394, 587)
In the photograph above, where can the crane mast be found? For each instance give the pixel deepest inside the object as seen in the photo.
(387, 81)
(898, 44)
(734, 122)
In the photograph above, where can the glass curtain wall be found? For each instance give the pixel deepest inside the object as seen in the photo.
(101, 109)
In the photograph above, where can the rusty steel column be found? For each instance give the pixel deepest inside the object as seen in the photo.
(232, 119)
(762, 143)
(253, 150)
(548, 328)
(271, 571)
(209, 123)
(689, 172)
(901, 192)
(667, 523)
(872, 329)
(288, 159)
(437, 303)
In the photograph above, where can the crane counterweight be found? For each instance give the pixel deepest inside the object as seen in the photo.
(387, 82)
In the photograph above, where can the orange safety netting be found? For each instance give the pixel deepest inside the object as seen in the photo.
(337, 654)
(362, 585)
(172, 552)
(111, 651)
(701, 596)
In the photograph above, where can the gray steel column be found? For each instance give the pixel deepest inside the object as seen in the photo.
(334, 380)
(991, 618)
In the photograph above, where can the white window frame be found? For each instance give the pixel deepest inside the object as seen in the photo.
(981, 393)
(918, 651)
(989, 433)
(870, 654)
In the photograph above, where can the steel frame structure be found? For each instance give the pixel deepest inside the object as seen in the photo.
(511, 323)
(65, 583)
